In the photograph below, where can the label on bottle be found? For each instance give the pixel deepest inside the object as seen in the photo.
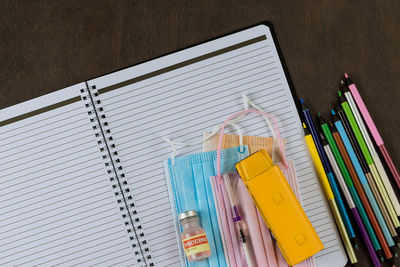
(195, 244)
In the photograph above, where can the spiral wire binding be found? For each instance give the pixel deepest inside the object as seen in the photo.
(119, 183)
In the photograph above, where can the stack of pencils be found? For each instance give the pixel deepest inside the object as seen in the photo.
(353, 176)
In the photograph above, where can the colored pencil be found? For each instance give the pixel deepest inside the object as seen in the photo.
(375, 199)
(326, 185)
(359, 179)
(338, 198)
(376, 234)
(364, 149)
(350, 194)
(345, 130)
(392, 203)
(372, 128)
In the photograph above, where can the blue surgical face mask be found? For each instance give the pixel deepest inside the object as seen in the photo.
(190, 188)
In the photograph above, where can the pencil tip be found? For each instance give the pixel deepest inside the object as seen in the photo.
(345, 75)
(319, 114)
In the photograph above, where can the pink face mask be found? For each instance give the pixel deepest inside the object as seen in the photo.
(265, 251)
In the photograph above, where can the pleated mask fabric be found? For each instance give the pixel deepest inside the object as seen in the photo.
(189, 180)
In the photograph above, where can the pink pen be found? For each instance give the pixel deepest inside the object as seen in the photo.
(372, 128)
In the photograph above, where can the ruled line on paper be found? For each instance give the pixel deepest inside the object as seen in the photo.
(108, 241)
(44, 188)
(45, 162)
(61, 244)
(53, 177)
(47, 149)
(43, 182)
(31, 148)
(41, 120)
(44, 231)
(41, 134)
(47, 167)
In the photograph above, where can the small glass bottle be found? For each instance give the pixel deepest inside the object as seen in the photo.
(194, 237)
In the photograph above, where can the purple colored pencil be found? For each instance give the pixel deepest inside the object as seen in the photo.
(367, 240)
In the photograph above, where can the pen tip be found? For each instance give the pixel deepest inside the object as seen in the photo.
(319, 114)
(304, 125)
(341, 82)
(339, 93)
(345, 75)
(333, 112)
(301, 100)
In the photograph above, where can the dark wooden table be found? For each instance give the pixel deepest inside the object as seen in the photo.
(48, 45)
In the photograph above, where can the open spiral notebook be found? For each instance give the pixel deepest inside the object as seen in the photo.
(81, 173)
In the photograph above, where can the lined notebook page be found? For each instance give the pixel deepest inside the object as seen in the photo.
(57, 206)
(186, 94)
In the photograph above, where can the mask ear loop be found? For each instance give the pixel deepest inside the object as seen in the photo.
(214, 132)
(222, 132)
(169, 141)
(248, 102)
(241, 147)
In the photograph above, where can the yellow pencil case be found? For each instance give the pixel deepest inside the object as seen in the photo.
(279, 207)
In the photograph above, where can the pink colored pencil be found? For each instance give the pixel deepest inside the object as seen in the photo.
(372, 128)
